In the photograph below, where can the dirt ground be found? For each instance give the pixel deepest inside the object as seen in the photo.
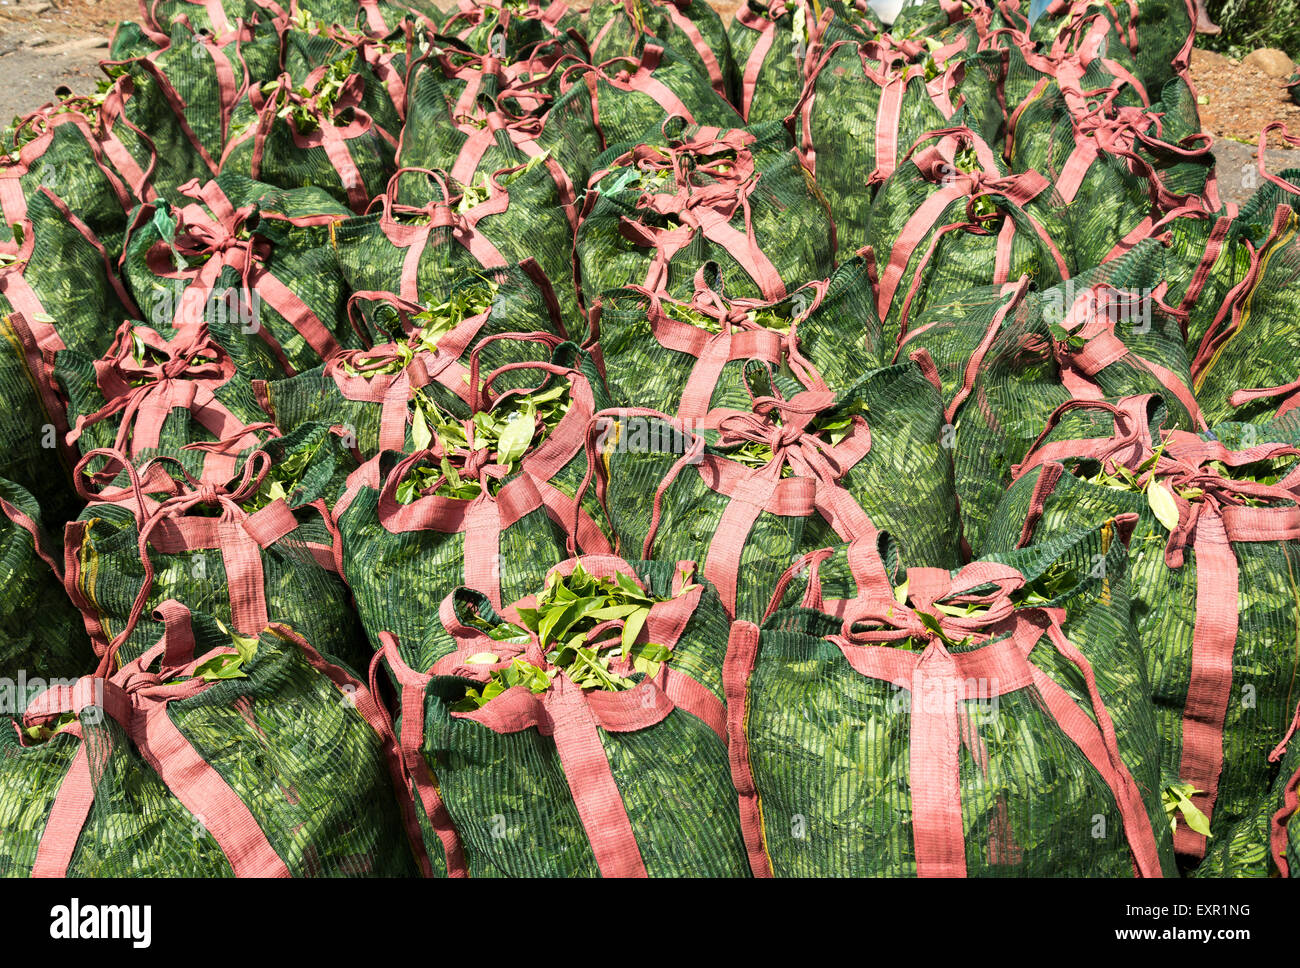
(47, 45)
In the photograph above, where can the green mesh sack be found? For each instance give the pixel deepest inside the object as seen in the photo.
(1215, 526)
(521, 209)
(828, 326)
(772, 43)
(1245, 364)
(55, 272)
(33, 422)
(564, 752)
(216, 18)
(203, 77)
(864, 106)
(155, 534)
(509, 28)
(1156, 35)
(1115, 170)
(1083, 572)
(244, 255)
(387, 57)
(632, 93)
(337, 131)
(684, 197)
(421, 251)
(65, 148)
(951, 217)
(474, 141)
(947, 727)
(42, 631)
(1007, 357)
(670, 494)
(691, 29)
(214, 755)
(140, 108)
(406, 541)
(858, 444)
(184, 398)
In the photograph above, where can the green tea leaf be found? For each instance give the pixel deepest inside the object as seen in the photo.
(1162, 505)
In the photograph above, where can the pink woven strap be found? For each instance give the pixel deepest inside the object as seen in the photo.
(68, 813)
(689, 695)
(1093, 318)
(1014, 295)
(1278, 836)
(1290, 393)
(40, 543)
(37, 359)
(1227, 322)
(865, 565)
(481, 520)
(750, 497)
(1099, 743)
(738, 667)
(708, 215)
(937, 691)
(713, 357)
(1085, 735)
(1131, 443)
(1209, 690)
(591, 781)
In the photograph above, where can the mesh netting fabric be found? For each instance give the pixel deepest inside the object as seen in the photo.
(41, 630)
(62, 273)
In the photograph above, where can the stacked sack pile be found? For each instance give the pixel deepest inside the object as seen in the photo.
(528, 441)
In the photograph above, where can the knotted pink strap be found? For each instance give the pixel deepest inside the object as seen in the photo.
(1093, 318)
(481, 520)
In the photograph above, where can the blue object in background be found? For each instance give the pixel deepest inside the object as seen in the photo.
(1036, 8)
